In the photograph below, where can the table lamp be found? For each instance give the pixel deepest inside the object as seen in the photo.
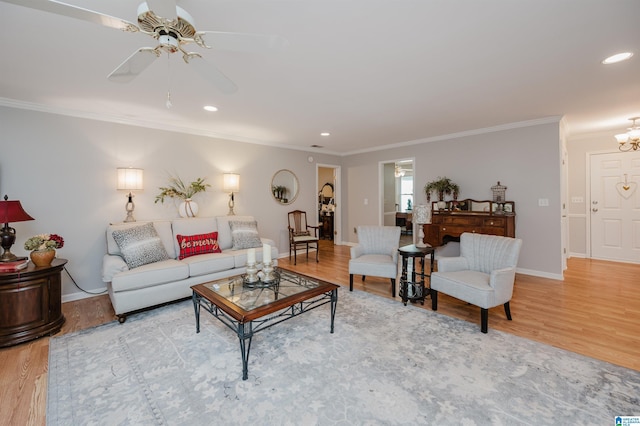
(129, 179)
(420, 217)
(231, 184)
(10, 211)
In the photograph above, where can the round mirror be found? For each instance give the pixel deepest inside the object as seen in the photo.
(284, 186)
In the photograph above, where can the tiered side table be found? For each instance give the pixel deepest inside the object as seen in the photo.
(412, 286)
(31, 303)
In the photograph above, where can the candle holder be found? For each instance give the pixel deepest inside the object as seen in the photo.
(270, 274)
(251, 275)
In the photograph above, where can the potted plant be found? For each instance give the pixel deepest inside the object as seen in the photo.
(43, 248)
(441, 186)
(178, 189)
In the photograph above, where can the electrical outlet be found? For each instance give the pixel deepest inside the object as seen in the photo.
(543, 202)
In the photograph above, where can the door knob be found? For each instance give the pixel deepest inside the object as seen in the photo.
(594, 210)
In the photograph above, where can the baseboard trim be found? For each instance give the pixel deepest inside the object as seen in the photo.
(79, 295)
(559, 277)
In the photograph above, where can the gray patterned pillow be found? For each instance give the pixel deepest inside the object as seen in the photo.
(244, 234)
(140, 245)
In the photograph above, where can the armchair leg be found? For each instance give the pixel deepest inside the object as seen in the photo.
(507, 310)
(350, 282)
(434, 300)
(393, 287)
(317, 250)
(484, 319)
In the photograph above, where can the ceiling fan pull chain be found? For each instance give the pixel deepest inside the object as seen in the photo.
(168, 103)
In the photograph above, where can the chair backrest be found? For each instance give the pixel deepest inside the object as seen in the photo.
(486, 253)
(298, 223)
(378, 239)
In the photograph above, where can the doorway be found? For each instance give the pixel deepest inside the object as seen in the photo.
(614, 206)
(328, 202)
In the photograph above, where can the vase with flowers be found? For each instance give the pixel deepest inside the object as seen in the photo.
(178, 189)
(43, 248)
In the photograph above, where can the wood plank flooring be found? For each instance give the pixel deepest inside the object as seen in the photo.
(595, 312)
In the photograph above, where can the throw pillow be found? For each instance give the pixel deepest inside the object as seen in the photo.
(190, 245)
(244, 234)
(140, 245)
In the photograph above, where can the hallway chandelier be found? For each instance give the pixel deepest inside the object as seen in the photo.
(632, 137)
(398, 171)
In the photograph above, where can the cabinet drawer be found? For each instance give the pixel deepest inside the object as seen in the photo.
(455, 231)
(494, 222)
(461, 220)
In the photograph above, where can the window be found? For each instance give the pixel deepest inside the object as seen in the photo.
(406, 192)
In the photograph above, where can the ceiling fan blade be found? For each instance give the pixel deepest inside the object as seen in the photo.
(76, 12)
(213, 75)
(134, 65)
(163, 8)
(241, 42)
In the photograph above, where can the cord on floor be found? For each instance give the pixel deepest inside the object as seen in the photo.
(76, 284)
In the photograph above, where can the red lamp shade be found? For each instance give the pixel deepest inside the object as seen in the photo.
(10, 211)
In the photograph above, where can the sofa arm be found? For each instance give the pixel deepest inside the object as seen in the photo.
(111, 265)
(356, 251)
(452, 264)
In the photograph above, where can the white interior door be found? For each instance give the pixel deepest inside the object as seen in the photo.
(615, 206)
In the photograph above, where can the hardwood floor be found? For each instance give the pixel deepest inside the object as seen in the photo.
(595, 312)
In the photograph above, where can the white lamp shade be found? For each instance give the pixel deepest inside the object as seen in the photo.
(622, 138)
(130, 179)
(421, 214)
(231, 182)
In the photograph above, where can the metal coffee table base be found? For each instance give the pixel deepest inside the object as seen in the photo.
(246, 330)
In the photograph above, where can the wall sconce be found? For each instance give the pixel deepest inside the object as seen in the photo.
(129, 179)
(420, 217)
(231, 184)
(10, 211)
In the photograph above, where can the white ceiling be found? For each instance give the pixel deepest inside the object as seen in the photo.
(374, 73)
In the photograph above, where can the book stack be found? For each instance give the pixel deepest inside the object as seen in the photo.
(15, 265)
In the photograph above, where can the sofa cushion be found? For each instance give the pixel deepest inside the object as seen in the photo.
(151, 275)
(192, 226)
(140, 245)
(224, 229)
(205, 264)
(163, 228)
(244, 234)
(190, 245)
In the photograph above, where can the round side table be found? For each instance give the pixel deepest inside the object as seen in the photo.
(412, 283)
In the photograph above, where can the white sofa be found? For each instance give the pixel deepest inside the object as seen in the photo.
(168, 280)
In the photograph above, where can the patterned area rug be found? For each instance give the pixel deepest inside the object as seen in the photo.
(386, 363)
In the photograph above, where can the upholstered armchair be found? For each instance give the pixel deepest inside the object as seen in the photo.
(376, 254)
(483, 274)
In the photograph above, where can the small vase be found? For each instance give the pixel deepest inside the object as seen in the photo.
(188, 208)
(42, 257)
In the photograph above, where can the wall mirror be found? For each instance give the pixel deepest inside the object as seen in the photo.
(284, 186)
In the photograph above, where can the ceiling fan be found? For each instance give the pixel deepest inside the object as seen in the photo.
(173, 28)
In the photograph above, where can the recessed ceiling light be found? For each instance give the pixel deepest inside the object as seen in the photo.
(618, 57)
(325, 134)
(210, 108)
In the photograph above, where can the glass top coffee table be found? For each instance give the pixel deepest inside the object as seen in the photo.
(249, 308)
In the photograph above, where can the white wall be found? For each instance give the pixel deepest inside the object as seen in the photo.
(526, 160)
(63, 170)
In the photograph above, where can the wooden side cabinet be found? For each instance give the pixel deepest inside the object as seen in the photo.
(31, 303)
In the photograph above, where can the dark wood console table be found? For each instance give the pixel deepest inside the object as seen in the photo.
(482, 217)
(31, 303)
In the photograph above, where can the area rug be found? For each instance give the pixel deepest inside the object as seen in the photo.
(385, 364)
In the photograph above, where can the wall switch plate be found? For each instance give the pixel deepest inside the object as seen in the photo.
(543, 202)
(366, 201)
(577, 199)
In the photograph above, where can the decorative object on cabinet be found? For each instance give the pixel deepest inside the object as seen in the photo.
(376, 254)
(632, 137)
(43, 248)
(442, 186)
(284, 186)
(129, 179)
(483, 274)
(469, 216)
(178, 189)
(31, 302)
(231, 184)
(420, 217)
(300, 234)
(10, 211)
